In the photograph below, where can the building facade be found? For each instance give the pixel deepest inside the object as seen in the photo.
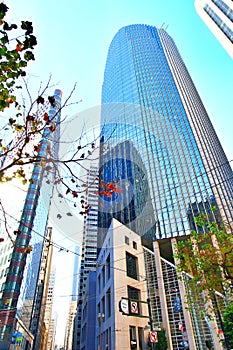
(121, 280)
(161, 163)
(150, 101)
(43, 294)
(87, 341)
(89, 246)
(131, 280)
(218, 16)
(73, 303)
(19, 289)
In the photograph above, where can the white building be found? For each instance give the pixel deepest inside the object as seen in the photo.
(121, 278)
(218, 16)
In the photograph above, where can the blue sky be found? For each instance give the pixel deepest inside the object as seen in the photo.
(73, 40)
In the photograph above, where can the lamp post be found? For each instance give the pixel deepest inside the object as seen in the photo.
(101, 319)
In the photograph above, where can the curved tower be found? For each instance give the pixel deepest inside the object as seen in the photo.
(149, 98)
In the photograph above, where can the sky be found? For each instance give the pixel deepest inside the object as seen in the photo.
(73, 39)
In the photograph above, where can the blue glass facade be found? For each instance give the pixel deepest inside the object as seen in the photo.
(150, 101)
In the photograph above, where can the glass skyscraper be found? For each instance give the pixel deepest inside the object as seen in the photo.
(19, 289)
(158, 146)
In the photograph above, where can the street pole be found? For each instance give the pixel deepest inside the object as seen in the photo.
(150, 321)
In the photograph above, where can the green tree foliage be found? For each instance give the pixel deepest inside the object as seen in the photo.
(162, 340)
(208, 258)
(228, 323)
(16, 50)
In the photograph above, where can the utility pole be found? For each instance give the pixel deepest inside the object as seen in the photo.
(153, 346)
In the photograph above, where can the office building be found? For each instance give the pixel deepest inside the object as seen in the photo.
(52, 333)
(70, 325)
(161, 163)
(218, 16)
(163, 152)
(73, 303)
(19, 289)
(89, 245)
(121, 293)
(89, 319)
(43, 294)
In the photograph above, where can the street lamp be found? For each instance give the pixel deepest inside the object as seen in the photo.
(101, 319)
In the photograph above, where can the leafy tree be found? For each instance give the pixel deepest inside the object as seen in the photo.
(15, 53)
(162, 340)
(228, 323)
(208, 258)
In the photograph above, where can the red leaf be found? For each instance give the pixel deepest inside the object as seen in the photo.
(118, 190)
(107, 194)
(19, 47)
(110, 187)
(37, 148)
(46, 117)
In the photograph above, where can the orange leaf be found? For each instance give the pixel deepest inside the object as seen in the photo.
(118, 190)
(19, 47)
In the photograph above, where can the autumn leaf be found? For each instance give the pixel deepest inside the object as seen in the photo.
(37, 148)
(52, 128)
(118, 190)
(19, 47)
(46, 117)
